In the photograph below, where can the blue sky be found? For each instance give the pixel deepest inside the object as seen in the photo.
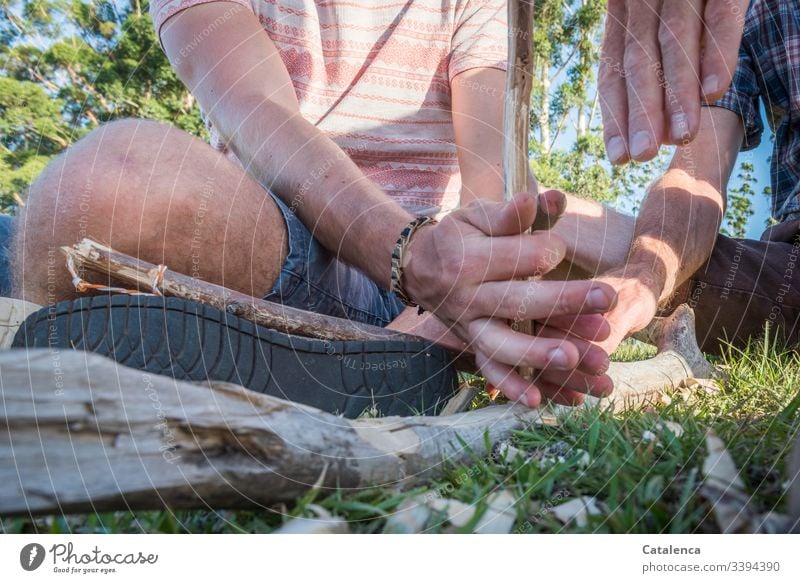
(760, 160)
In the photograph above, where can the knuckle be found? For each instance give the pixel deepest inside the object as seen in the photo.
(566, 301)
(473, 267)
(636, 58)
(673, 30)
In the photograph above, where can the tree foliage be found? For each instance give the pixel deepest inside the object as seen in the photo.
(740, 206)
(67, 66)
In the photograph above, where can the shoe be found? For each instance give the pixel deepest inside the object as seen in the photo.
(192, 341)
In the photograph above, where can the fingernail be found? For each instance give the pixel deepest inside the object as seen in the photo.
(558, 358)
(597, 299)
(679, 127)
(616, 149)
(640, 144)
(710, 85)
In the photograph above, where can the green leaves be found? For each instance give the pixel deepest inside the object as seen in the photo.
(67, 66)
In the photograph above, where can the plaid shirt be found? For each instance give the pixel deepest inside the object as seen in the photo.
(769, 70)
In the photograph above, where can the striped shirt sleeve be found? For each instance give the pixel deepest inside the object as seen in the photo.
(163, 10)
(480, 37)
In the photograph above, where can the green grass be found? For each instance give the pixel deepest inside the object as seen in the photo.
(643, 485)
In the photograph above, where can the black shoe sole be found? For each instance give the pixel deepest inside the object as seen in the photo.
(191, 341)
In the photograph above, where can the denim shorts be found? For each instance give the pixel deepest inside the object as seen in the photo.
(314, 279)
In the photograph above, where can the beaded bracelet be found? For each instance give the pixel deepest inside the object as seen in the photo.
(397, 260)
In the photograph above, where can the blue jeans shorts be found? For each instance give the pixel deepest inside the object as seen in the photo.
(314, 279)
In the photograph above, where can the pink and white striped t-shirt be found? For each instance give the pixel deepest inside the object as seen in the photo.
(375, 77)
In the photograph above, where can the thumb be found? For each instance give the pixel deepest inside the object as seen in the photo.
(501, 219)
(551, 206)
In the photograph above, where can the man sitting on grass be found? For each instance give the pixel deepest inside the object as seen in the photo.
(333, 127)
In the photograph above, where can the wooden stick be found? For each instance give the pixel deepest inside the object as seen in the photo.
(516, 113)
(80, 433)
(136, 272)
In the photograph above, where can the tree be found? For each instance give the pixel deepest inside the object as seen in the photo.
(68, 66)
(740, 207)
(567, 150)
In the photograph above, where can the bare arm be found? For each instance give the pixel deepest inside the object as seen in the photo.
(478, 128)
(677, 224)
(237, 76)
(681, 214)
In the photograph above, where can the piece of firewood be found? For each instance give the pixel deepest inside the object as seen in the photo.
(516, 115)
(678, 358)
(95, 257)
(81, 433)
(516, 111)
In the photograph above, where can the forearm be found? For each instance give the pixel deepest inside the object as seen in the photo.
(242, 84)
(347, 212)
(597, 238)
(675, 231)
(681, 214)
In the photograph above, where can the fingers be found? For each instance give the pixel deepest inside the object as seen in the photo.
(499, 219)
(724, 23)
(508, 381)
(611, 83)
(496, 340)
(575, 380)
(592, 359)
(540, 300)
(593, 327)
(560, 395)
(505, 258)
(551, 206)
(679, 37)
(644, 82)
(659, 58)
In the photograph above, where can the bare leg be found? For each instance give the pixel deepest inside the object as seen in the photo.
(154, 192)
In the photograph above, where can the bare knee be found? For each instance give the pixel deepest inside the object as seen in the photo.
(151, 191)
(77, 196)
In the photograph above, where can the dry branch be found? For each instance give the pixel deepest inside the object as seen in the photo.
(81, 433)
(516, 113)
(95, 257)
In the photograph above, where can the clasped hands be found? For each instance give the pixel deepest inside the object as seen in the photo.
(479, 270)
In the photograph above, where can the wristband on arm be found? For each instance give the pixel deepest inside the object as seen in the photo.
(397, 260)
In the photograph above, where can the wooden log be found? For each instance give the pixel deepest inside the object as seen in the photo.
(95, 257)
(81, 433)
(678, 358)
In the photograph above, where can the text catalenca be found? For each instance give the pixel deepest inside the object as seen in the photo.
(670, 550)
